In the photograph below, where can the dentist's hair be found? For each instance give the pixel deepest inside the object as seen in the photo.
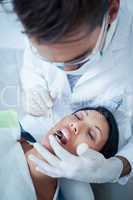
(111, 146)
(51, 21)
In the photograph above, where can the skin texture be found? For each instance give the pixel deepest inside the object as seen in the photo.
(66, 50)
(88, 127)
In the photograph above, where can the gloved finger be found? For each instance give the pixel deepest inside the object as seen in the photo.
(49, 157)
(40, 99)
(81, 149)
(63, 154)
(48, 172)
(35, 110)
(46, 98)
(33, 100)
(43, 165)
(36, 107)
(92, 155)
(57, 90)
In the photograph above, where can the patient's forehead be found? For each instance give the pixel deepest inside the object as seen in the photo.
(93, 115)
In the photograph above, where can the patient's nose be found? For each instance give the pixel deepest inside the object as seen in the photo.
(74, 127)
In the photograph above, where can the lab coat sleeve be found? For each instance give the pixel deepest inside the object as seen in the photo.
(31, 74)
(126, 131)
(127, 150)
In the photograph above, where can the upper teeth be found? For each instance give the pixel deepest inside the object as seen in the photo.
(58, 134)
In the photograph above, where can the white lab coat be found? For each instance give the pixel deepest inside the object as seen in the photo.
(15, 178)
(105, 82)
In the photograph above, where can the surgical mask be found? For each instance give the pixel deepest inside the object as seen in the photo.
(85, 66)
(88, 58)
(102, 43)
(109, 37)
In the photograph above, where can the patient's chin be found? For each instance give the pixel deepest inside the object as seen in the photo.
(45, 142)
(69, 147)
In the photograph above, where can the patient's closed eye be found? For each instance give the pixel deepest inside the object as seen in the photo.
(94, 132)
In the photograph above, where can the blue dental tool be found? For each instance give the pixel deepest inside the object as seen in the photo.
(27, 136)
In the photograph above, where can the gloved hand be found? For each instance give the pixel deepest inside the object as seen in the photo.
(38, 101)
(90, 166)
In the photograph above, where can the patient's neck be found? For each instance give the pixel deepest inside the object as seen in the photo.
(45, 186)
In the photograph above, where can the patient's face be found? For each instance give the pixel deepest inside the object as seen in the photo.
(88, 126)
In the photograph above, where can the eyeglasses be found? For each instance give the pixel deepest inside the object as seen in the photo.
(87, 56)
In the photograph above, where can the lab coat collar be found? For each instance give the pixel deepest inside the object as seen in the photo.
(95, 69)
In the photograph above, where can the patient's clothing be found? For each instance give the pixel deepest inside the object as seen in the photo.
(15, 179)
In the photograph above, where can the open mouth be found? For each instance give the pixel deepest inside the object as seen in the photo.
(62, 136)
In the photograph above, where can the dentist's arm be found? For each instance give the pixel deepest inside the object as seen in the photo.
(36, 97)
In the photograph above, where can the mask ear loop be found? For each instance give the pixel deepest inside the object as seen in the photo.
(102, 37)
(100, 41)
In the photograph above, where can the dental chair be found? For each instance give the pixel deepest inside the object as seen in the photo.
(113, 191)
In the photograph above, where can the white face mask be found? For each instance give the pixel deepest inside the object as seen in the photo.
(84, 67)
(88, 58)
(110, 34)
(103, 42)
(107, 38)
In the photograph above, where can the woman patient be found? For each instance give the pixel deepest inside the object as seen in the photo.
(94, 126)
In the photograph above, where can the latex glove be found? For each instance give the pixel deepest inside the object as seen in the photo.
(90, 166)
(38, 101)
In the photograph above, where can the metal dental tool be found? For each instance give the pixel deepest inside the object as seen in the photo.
(27, 136)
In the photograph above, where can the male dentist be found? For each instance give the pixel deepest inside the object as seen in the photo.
(80, 51)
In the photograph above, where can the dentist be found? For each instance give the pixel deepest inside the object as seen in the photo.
(80, 51)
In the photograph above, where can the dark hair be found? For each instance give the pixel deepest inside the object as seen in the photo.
(111, 146)
(1, 1)
(49, 21)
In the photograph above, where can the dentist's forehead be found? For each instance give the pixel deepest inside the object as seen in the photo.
(65, 51)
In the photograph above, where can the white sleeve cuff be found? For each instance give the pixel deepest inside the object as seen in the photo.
(127, 153)
(124, 180)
